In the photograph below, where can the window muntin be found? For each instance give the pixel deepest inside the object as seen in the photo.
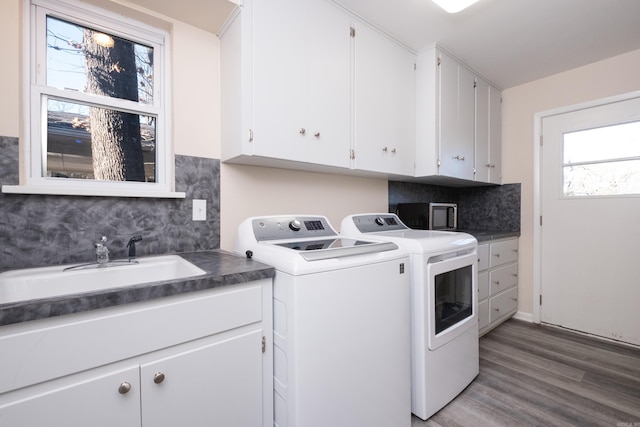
(603, 161)
(60, 86)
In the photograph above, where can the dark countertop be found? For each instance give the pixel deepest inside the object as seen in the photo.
(486, 235)
(222, 269)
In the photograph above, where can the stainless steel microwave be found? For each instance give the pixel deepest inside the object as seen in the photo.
(429, 216)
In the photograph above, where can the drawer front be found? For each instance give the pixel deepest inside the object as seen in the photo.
(483, 257)
(503, 278)
(483, 314)
(503, 252)
(505, 303)
(483, 285)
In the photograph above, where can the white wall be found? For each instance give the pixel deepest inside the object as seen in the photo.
(254, 191)
(617, 75)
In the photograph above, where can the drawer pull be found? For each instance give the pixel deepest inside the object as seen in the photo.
(317, 134)
(515, 299)
(302, 131)
(496, 255)
(496, 309)
(158, 377)
(515, 274)
(124, 388)
(497, 282)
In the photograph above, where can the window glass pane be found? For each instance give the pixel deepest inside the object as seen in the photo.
(87, 142)
(605, 143)
(601, 179)
(84, 60)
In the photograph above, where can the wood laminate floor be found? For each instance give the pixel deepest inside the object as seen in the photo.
(533, 375)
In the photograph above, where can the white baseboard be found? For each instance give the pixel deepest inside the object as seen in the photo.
(521, 315)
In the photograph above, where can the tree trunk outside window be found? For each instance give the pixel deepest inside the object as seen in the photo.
(115, 136)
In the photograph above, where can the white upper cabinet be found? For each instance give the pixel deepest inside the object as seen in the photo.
(286, 83)
(457, 105)
(384, 104)
(457, 124)
(488, 133)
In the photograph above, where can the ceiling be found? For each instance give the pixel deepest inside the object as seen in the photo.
(509, 42)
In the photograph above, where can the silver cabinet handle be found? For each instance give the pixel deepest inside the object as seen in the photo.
(317, 134)
(158, 377)
(496, 255)
(489, 165)
(496, 309)
(393, 151)
(124, 388)
(385, 149)
(302, 131)
(250, 135)
(461, 158)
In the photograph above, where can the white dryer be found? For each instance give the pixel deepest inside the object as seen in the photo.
(444, 306)
(341, 337)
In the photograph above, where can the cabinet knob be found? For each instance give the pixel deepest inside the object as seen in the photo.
(461, 158)
(496, 255)
(302, 131)
(515, 299)
(497, 282)
(317, 134)
(496, 309)
(385, 149)
(393, 151)
(124, 388)
(158, 377)
(489, 165)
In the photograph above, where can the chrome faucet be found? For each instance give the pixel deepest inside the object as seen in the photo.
(102, 252)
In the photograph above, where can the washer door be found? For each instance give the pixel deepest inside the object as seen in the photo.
(452, 297)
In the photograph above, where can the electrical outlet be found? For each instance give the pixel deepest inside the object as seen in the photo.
(199, 210)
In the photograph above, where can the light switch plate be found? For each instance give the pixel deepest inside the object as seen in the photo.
(199, 210)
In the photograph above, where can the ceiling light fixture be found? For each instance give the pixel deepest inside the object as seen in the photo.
(453, 6)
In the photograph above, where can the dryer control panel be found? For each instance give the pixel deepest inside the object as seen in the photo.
(371, 223)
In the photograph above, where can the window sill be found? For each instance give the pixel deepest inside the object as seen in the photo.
(65, 191)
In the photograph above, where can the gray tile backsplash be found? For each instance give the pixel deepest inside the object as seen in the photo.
(38, 230)
(494, 208)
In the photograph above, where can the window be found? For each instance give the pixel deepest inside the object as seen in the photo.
(603, 161)
(97, 115)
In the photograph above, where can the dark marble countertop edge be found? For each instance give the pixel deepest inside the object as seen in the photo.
(487, 235)
(222, 269)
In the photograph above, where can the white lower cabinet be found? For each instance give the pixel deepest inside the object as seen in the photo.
(497, 282)
(223, 378)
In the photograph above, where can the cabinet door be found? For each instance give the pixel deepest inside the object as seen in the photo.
(384, 104)
(219, 384)
(482, 161)
(457, 121)
(328, 137)
(280, 79)
(495, 135)
(79, 401)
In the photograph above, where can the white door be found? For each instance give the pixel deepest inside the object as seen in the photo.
(590, 243)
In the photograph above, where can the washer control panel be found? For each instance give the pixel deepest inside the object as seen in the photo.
(291, 227)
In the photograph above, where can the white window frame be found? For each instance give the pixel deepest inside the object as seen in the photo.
(36, 92)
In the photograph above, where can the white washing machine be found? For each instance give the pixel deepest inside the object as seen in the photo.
(444, 306)
(341, 336)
